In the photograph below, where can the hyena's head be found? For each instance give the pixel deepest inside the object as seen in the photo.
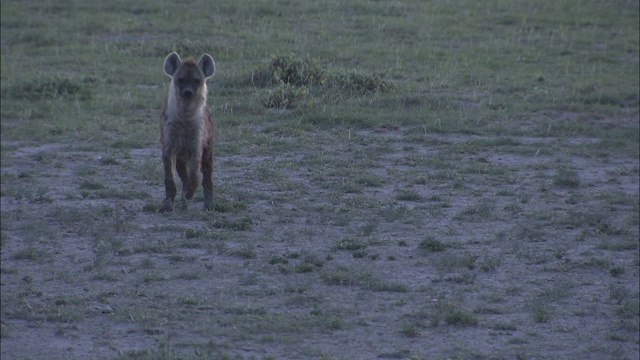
(189, 79)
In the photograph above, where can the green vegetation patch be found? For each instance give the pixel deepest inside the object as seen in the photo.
(51, 88)
(290, 78)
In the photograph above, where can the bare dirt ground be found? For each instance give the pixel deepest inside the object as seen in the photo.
(386, 244)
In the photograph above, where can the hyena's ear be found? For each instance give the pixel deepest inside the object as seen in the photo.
(172, 63)
(207, 65)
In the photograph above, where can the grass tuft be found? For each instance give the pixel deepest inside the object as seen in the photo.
(51, 88)
(432, 244)
(285, 96)
(351, 245)
(566, 178)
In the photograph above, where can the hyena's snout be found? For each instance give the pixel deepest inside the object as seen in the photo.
(188, 88)
(187, 93)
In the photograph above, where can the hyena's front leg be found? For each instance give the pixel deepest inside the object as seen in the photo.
(193, 168)
(169, 162)
(181, 168)
(207, 178)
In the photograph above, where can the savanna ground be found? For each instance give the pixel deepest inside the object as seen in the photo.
(394, 180)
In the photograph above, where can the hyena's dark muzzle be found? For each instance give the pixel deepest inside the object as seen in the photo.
(187, 88)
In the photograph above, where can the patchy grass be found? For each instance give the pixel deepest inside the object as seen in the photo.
(400, 174)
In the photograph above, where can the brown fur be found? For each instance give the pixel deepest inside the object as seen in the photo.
(187, 130)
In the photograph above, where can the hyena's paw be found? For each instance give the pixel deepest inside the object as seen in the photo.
(208, 205)
(183, 204)
(167, 206)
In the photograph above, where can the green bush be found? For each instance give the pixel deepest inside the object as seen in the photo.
(296, 77)
(285, 96)
(291, 70)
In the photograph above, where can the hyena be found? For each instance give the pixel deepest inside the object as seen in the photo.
(187, 130)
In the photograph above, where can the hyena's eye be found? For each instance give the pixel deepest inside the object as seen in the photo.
(180, 80)
(197, 81)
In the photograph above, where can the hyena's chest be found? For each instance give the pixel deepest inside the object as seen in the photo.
(183, 135)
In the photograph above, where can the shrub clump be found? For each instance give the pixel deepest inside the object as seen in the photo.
(432, 244)
(566, 178)
(291, 70)
(284, 96)
(295, 77)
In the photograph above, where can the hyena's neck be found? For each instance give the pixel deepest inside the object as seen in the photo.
(183, 110)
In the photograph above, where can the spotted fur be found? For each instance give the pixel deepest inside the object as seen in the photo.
(187, 130)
